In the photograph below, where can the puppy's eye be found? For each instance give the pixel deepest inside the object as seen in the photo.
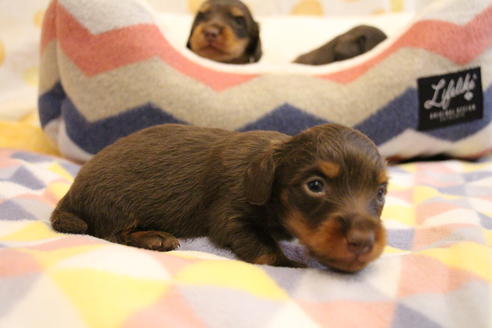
(239, 20)
(200, 16)
(315, 186)
(381, 193)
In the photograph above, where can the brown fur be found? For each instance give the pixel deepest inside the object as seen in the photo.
(245, 191)
(356, 41)
(225, 31)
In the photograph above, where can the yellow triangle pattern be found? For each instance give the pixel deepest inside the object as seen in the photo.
(466, 256)
(58, 189)
(32, 231)
(104, 299)
(231, 274)
(409, 167)
(474, 167)
(394, 250)
(424, 193)
(488, 237)
(48, 259)
(60, 170)
(401, 214)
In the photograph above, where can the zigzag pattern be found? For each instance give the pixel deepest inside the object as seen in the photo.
(130, 77)
(95, 54)
(436, 270)
(90, 135)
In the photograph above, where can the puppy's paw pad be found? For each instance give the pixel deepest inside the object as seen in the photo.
(155, 240)
(162, 242)
(166, 244)
(278, 260)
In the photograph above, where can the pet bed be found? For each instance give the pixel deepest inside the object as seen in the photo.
(435, 272)
(109, 70)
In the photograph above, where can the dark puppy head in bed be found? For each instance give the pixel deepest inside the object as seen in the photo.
(354, 42)
(225, 31)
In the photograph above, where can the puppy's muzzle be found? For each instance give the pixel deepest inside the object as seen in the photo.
(345, 242)
(360, 235)
(212, 31)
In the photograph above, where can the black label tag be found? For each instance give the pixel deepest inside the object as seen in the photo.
(450, 99)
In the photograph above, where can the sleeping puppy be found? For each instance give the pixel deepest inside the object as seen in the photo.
(246, 191)
(355, 42)
(224, 31)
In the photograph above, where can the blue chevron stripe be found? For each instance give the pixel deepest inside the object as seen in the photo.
(50, 104)
(390, 121)
(94, 136)
(402, 113)
(286, 119)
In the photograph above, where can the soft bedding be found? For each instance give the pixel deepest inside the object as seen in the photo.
(435, 272)
(107, 71)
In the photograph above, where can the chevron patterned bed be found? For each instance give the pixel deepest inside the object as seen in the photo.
(108, 72)
(108, 68)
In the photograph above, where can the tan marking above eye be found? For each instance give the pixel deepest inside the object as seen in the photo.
(330, 169)
(205, 7)
(382, 177)
(235, 11)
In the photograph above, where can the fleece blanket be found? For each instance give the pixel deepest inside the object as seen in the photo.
(109, 70)
(435, 272)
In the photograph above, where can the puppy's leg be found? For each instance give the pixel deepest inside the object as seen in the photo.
(249, 244)
(155, 240)
(64, 221)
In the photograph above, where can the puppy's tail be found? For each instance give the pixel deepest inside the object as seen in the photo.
(68, 222)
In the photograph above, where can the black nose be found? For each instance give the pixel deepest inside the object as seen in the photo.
(211, 32)
(360, 242)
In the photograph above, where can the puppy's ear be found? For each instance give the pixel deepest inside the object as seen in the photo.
(254, 50)
(188, 43)
(363, 44)
(192, 29)
(258, 179)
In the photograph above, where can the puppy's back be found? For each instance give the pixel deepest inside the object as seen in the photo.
(154, 171)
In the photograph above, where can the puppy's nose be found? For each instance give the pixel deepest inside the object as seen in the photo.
(211, 32)
(360, 242)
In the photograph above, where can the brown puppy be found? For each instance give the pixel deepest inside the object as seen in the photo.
(245, 191)
(355, 42)
(224, 31)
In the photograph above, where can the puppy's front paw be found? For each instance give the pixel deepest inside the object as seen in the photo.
(277, 259)
(154, 240)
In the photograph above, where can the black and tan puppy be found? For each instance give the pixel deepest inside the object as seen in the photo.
(225, 31)
(325, 186)
(355, 42)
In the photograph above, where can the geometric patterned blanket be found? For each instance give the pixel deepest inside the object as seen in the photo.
(109, 70)
(435, 272)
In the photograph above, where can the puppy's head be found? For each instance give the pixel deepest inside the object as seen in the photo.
(328, 185)
(357, 41)
(224, 31)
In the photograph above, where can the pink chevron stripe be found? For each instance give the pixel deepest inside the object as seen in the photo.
(49, 26)
(95, 54)
(460, 44)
